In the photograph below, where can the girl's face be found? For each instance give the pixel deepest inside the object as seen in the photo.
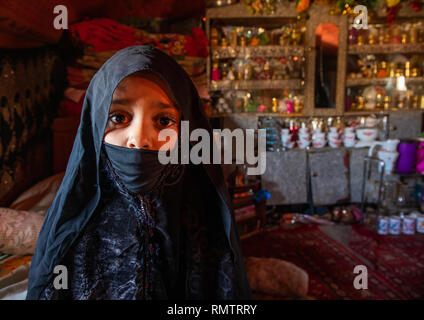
(140, 109)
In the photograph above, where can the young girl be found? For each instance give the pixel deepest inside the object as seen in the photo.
(122, 224)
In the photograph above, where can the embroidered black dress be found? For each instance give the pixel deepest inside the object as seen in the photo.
(179, 244)
(112, 256)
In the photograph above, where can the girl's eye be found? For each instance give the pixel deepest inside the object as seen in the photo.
(119, 118)
(166, 121)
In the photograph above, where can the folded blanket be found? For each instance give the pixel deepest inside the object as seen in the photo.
(102, 34)
(21, 223)
(19, 231)
(101, 38)
(16, 291)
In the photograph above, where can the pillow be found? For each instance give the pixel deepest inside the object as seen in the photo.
(19, 231)
(16, 291)
(39, 197)
(21, 223)
(276, 277)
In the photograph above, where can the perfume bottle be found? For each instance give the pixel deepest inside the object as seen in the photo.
(239, 69)
(386, 104)
(352, 36)
(214, 37)
(396, 38)
(399, 72)
(283, 41)
(381, 34)
(361, 103)
(382, 72)
(248, 71)
(215, 72)
(401, 101)
(415, 100)
(387, 36)
(224, 69)
(374, 72)
(404, 38)
(230, 74)
(413, 35)
(379, 101)
(407, 69)
(371, 39)
(274, 105)
(420, 94)
(242, 41)
(233, 37)
(392, 67)
(298, 107)
(295, 37)
(224, 42)
(414, 72)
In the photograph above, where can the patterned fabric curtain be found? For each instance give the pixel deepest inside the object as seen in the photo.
(31, 83)
(29, 24)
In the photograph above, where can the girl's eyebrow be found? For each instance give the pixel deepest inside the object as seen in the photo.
(126, 102)
(129, 102)
(166, 105)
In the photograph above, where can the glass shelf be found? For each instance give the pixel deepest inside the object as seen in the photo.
(255, 84)
(258, 114)
(380, 81)
(386, 48)
(385, 67)
(258, 51)
(256, 65)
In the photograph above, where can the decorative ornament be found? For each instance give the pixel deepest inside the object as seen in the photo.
(302, 5)
(260, 6)
(343, 5)
(392, 3)
(262, 108)
(392, 12)
(416, 5)
(269, 6)
(302, 16)
(254, 6)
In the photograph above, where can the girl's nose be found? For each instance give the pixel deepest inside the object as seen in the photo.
(139, 138)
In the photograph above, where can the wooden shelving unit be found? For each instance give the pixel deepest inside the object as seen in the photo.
(255, 84)
(386, 48)
(258, 114)
(380, 81)
(258, 51)
(237, 14)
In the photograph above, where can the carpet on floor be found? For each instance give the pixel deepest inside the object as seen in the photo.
(328, 263)
(400, 258)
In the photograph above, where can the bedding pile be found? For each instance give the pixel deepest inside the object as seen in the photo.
(101, 38)
(20, 225)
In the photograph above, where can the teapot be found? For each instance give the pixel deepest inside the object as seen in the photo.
(388, 153)
(371, 121)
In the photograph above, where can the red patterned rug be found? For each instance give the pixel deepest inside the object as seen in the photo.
(328, 263)
(400, 259)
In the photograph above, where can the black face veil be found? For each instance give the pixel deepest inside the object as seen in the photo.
(80, 192)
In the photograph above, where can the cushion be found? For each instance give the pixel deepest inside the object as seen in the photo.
(276, 277)
(19, 231)
(16, 291)
(39, 197)
(21, 223)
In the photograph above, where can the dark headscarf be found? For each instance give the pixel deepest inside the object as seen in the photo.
(80, 192)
